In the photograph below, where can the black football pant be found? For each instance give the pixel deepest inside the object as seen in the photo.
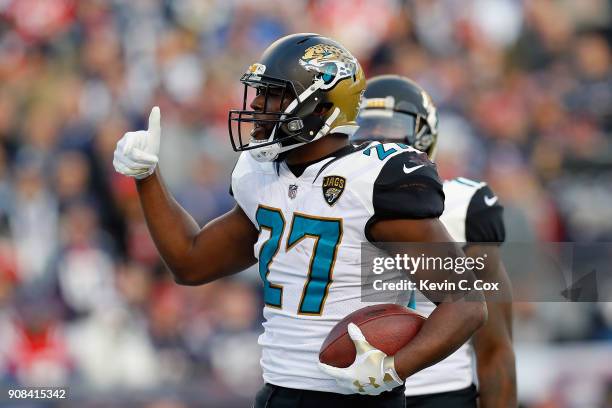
(272, 396)
(465, 398)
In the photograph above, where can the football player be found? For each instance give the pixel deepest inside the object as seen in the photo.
(306, 200)
(396, 109)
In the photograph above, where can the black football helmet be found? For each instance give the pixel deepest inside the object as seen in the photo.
(311, 71)
(396, 109)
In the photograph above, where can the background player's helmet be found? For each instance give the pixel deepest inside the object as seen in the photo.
(396, 109)
(316, 73)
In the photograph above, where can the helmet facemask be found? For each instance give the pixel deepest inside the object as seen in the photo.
(269, 119)
(304, 120)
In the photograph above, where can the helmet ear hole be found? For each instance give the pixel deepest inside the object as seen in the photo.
(322, 108)
(329, 73)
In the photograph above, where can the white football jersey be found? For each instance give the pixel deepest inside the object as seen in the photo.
(471, 214)
(309, 247)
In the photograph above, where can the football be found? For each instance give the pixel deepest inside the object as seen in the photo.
(387, 327)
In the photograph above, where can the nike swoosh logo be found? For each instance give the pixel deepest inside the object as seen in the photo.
(490, 200)
(408, 170)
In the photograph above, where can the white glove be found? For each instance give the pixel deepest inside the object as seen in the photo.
(136, 154)
(372, 372)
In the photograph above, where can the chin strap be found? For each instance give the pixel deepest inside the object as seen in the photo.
(327, 125)
(316, 85)
(271, 152)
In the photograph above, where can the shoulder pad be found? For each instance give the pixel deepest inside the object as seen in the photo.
(408, 186)
(484, 219)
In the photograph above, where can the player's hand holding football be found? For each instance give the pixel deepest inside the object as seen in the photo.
(372, 372)
(136, 154)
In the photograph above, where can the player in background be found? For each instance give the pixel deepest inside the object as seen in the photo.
(396, 109)
(306, 200)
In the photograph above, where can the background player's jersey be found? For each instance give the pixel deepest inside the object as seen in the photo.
(311, 231)
(472, 213)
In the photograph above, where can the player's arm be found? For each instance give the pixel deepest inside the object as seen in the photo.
(449, 326)
(194, 256)
(493, 342)
(452, 323)
(407, 198)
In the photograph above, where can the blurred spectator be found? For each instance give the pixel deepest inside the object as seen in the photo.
(36, 349)
(205, 193)
(233, 348)
(85, 266)
(72, 179)
(113, 351)
(33, 221)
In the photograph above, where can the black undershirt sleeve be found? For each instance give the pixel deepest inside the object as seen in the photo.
(484, 220)
(407, 187)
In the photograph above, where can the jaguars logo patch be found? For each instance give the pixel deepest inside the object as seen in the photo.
(293, 191)
(333, 186)
(333, 63)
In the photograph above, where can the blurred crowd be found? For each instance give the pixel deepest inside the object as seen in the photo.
(524, 90)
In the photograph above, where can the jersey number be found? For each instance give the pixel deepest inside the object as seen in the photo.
(326, 233)
(383, 153)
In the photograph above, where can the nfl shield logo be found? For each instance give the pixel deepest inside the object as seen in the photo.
(333, 186)
(293, 191)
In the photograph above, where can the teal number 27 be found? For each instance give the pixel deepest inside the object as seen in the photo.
(383, 153)
(327, 234)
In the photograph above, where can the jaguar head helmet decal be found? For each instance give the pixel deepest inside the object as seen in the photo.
(332, 63)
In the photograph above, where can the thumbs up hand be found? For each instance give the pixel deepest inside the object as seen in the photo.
(136, 154)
